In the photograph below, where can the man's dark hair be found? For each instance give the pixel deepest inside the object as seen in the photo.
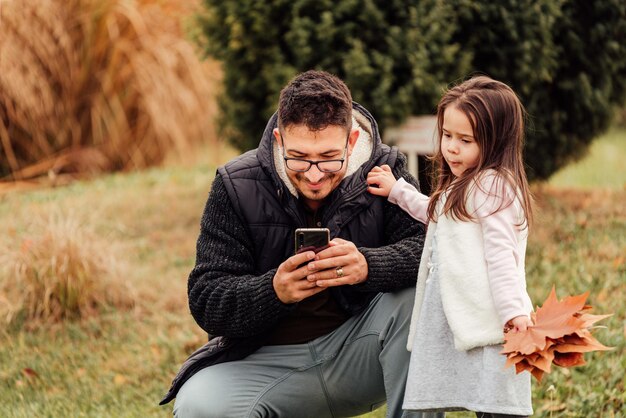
(315, 99)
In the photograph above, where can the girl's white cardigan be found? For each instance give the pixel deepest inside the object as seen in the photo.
(465, 288)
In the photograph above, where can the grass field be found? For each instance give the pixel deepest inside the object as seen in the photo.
(604, 165)
(119, 363)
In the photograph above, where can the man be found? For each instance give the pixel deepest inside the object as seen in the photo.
(305, 335)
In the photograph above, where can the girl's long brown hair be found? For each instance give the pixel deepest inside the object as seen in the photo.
(497, 118)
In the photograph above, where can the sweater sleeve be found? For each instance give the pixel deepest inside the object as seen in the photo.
(410, 200)
(394, 266)
(498, 212)
(225, 296)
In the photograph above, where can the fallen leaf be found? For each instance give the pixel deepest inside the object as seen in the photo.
(30, 373)
(542, 360)
(119, 380)
(568, 359)
(537, 374)
(156, 352)
(589, 319)
(527, 342)
(512, 359)
(559, 335)
(557, 318)
(53, 390)
(588, 345)
(523, 366)
(553, 320)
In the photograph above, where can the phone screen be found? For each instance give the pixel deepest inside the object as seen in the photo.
(311, 239)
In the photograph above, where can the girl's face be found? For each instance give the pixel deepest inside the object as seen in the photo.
(458, 145)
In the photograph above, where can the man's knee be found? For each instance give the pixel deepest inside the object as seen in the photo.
(400, 303)
(254, 387)
(200, 398)
(192, 407)
(190, 404)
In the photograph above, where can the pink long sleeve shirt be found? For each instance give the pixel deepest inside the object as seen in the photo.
(503, 250)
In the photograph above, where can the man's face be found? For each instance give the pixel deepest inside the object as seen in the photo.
(330, 143)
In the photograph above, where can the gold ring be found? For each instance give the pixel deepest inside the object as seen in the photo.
(339, 271)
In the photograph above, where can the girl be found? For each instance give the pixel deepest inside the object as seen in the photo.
(471, 284)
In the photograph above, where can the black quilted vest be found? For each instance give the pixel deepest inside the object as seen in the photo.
(272, 214)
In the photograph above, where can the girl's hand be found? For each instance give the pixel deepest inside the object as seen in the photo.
(518, 324)
(381, 177)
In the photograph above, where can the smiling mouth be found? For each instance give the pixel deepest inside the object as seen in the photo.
(315, 186)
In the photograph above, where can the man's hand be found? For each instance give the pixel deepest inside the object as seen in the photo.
(381, 177)
(289, 283)
(337, 265)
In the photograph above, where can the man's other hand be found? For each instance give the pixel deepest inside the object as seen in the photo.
(341, 263)
(290, 282)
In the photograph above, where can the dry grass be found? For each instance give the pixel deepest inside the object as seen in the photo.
(92, 85)
(119, 363)
(60, 268)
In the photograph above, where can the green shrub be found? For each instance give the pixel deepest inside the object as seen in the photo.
(393, 55)
(564, 58)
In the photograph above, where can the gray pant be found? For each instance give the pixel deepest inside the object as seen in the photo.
(349, 372)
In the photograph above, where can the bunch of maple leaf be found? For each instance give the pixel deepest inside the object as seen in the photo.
(560, 334)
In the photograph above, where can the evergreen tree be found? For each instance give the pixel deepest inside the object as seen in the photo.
(394, 55)
(565, 58)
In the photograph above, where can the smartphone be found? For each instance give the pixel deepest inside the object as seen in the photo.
(311, 239)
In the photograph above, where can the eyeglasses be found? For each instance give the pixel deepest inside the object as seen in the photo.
(325, 166)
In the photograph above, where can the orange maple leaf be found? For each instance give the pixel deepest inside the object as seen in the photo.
(559, 335)
(558, 318)
(589, 319)
(581, 342)
(569, 359)
(553, 320)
